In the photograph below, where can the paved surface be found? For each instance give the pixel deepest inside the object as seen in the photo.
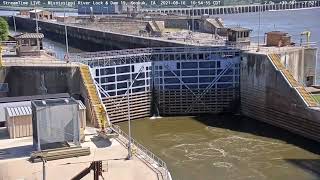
(14, 164)
(272, 49)
(43, 60)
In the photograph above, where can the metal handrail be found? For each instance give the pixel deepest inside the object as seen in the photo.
(96, 85)
(147, 152)
(4, 43)
(25, 62)
(132, 52)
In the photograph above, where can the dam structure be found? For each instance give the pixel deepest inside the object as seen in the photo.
(235, 9)
(195, 80)
(184, 72)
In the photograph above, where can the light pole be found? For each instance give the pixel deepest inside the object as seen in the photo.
(44, 161)
(66, 34)
(14, 22)
(258, 49)
(129, 122)
(192, 18)
(37, 27)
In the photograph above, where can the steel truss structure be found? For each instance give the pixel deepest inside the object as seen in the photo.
(143, 66)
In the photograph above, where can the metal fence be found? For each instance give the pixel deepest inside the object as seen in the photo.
(148, 155)
(139, 51)
(131, 56)
(8, 48)
(20, 61)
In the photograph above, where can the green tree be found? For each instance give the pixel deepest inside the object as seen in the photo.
(4, 29)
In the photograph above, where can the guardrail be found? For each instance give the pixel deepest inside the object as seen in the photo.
(131, 52)
(165, 172)
(4, 43)
(149, 51)
(38, 62)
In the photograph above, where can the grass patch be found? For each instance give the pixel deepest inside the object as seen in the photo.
(317, 96)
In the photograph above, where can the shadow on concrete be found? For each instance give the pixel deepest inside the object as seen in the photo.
(311, 165)
(16, 152)
(101, 142)
(259, 128)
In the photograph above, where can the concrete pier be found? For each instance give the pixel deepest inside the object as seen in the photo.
(268, 93)
(90, 39)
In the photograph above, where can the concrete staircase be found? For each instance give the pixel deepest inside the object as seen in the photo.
(306, 96)
(97, 107)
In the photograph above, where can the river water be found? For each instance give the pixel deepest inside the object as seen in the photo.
(227, 147)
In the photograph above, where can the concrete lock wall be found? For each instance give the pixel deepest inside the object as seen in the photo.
(267, 96)
(90, 40)
(26, 81)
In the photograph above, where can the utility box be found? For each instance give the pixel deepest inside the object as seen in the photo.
(55, 123)
(278, 38)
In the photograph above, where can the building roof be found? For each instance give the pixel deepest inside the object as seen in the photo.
(3, 106)
(18, 111)
(54, 102)
(239, 29)
(36, 97)
(30, 36)
(22, 109)
(277, 32)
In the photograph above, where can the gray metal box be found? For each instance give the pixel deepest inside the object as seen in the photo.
(55, 122)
